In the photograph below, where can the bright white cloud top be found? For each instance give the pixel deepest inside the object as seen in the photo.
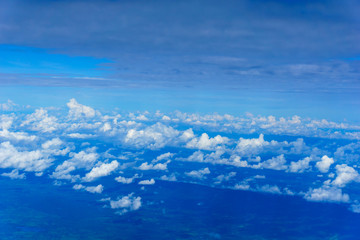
(85, 149)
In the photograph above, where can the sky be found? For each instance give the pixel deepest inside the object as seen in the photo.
(266, 57)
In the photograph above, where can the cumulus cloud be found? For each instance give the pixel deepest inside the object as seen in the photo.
(275, 163)
(41, 121)
(92, 189)
(77, 110)
(104, 169)
(159, 166)
(206, 143)
(32, 161)
(324, 164)
(126, 203)
(345, 175)
(327, 194)
(200, 174)
(147, 182)
(124, 180)
(300, 166)
(221, 178)
(164, 156)
(8, 106)
(153, 137)
(171, 178)
(270, 189)
(84, 159)
(14, 174)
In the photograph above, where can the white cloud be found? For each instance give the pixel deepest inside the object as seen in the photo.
(270, 189)
(159, 166)
(8, 106)
(124, 180)
(251, 146)
(324, 164)
(103, 170)
(200, 174)
(77, 110)
(164, 156)
(327, 194)
(147, 182)
(300, 166)
(92, 189)
(17, 136)
(206, 143)
(41, 121)
(345, 174)
(221, 178)
(95, 189)
(14, 174)
(153, 137)
(126, 203)
(242, 186)
(83, 159)
(32, 161)
(171, 178)
(275, 163)
(355, 207)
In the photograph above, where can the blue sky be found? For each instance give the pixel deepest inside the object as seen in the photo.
(265, 57)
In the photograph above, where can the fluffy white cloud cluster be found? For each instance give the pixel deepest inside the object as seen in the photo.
(77, 110)
(153, 137)
(103, 170)
(206, 143)
(34, 141)
(159, 166)
(92, 189)
(41, 121)
(327, 194)
(324, 164)
(199, 174)
(147, 182)
(345, 175)
(14, 174)
(126, 203)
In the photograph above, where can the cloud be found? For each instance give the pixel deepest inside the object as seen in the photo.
(103, 170)
(14, 174)
(77, 110)
(84, 159)
(327, 194)
(8, 106)
(345, 175)
(300, 166)
(124, 180)
(206, 143)
(324, 164)
(32, 161)
(270, 189)
(92, 189)
(159, 166)
(147, 182)
(171, 178)
(355, 207)
(164, 156)
(275, 163)
(221, 178)
(41, 121)
(200, 174)
(126, 203)
(153, 137)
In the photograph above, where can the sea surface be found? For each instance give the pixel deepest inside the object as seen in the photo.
(35, 209)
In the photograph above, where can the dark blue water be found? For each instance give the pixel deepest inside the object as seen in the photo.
(33, 209)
